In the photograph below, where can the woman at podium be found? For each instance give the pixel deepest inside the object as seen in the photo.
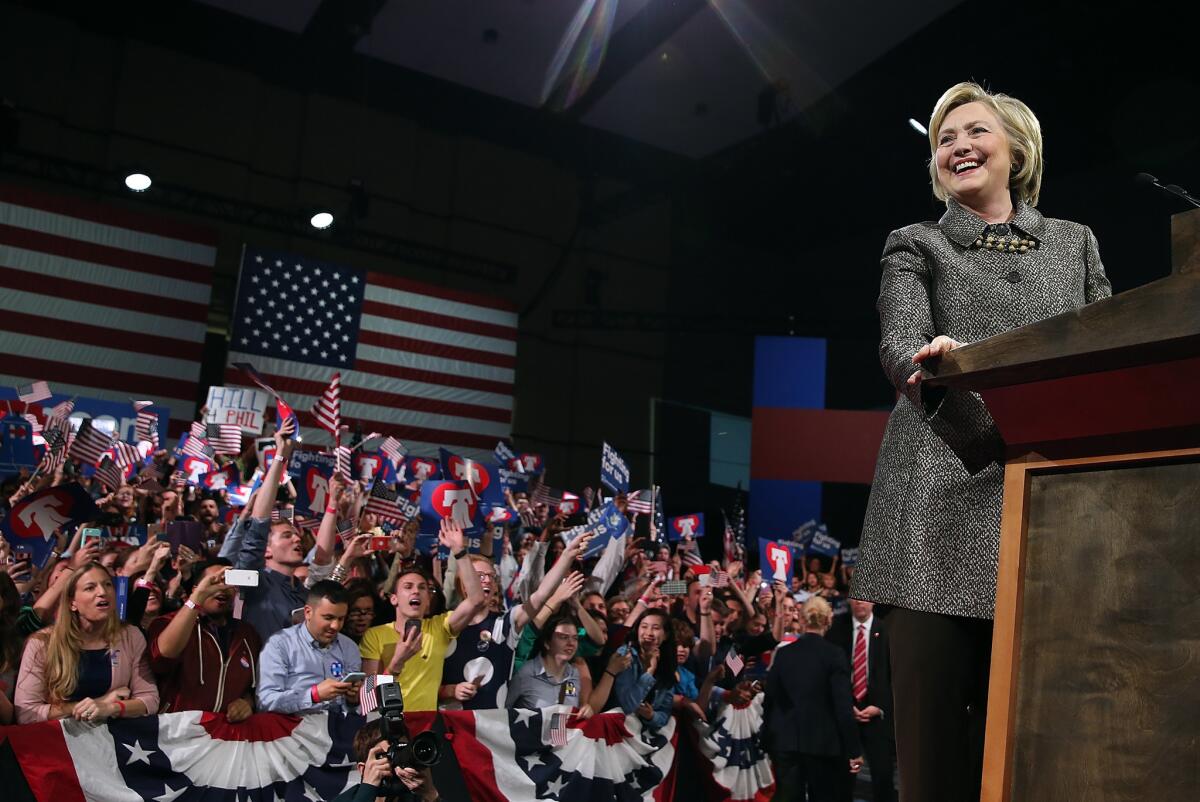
(931, 536)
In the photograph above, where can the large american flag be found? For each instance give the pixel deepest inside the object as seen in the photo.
(430, 366)
(102, 302)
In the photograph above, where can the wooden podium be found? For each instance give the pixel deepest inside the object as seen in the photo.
(1095, 678)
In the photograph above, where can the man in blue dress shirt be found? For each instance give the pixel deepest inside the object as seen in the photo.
(302, 667)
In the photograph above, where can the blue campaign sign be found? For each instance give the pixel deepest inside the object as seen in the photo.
(506, 456)
(604, 524)
(850, 556)
(371, 465)
(823, 543)
(446, 498)
(16, 444)
(31, 523)
(118, 414)
(516, 481)
(310, 472)
(684, 525)
(532, 463)
(194, 469)
(614, 473)
(776, 561)
(422, 468)
(483, 477)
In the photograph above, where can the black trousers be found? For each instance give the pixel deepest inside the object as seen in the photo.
(940, 666)
(797, 773)
(879, 750)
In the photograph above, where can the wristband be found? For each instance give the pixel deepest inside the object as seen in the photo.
(606, 671)
(191, 605)
(143, 583)
(458, 555)
(331, 509)
(316, 696)
(121, 705)
(644, 600)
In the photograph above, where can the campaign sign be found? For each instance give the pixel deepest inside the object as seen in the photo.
(850, 556)
(531, 463)
(823, 543)
(32, 521)
(115, 415)
(451, 499)
(513, 480)
(194, 469)
(238, 493)
(310, 472)
(368, 465)
(685, 525)
(776, 561)
(506, 456)
(241, 405)
(221, 479)
(603, 523)
(16, 444)
(410, 505)
(614, 473)
(422, 468)
(569, 504)
(498, 514)
(264, 447)
(483, 477)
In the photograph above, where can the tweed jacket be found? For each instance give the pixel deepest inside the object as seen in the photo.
(931, 536)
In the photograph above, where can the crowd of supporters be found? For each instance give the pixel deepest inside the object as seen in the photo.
(524, 622)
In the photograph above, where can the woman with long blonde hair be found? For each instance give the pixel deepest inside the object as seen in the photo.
(89, 666)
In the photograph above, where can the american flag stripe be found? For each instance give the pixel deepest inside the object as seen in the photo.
(102, 302)
(342, 457)
(228, 439)
(328, 408)
(89, 445)
(110, 474)
(422, 363)
(393, 449)
(32, 393)
(124, 454)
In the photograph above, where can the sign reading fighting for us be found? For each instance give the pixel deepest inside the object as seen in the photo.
(311, 472)
(614, 473)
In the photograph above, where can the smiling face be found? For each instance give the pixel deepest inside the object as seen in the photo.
(221, 603)
(94, 599)
(412, 596)
(124, 498)
(973, 156)
(563, 642)
(651, 633)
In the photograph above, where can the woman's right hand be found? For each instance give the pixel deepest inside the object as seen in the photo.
(619, 662)
(940, 345)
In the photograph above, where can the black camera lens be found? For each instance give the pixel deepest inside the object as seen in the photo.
(426, 749)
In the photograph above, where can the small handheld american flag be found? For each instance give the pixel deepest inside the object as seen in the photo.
(558, 729)
(225, 438)
(31, 393)
(367, 699)
(734, 662)
(721, 580)
(328, 408)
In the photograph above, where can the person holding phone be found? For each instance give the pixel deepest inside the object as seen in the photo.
(413, 647)
(647, 685)
(305, 667)
(204, 658)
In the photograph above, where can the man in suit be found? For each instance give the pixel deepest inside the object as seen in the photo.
(809, 728)
(863, 636)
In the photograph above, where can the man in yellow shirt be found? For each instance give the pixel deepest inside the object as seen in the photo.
(414, 647)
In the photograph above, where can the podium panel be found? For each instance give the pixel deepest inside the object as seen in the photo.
(1096, 657)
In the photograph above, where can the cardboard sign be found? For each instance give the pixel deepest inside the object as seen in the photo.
(241, 405)
(614, 473)
(685, 525)
(311, 472)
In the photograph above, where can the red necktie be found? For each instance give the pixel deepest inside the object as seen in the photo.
(859, 675)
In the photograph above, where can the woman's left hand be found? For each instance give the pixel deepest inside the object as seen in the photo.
(940, 344)
(94, 710)
(645, 711)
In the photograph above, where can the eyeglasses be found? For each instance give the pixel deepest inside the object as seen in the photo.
(486, 576)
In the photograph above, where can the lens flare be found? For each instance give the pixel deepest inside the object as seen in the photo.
(772, 57)
(580, 53)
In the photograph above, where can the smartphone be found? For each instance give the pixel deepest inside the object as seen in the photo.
(410, 625)
(297, 615)
(676, 587)
(92, 532)
(380, 543)
(354, 676)
(242, 578)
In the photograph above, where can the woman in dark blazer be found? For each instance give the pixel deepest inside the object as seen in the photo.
(931, 535)
(808, 720)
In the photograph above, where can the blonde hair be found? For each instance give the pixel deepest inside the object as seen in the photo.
(65, 639)
(475, 558)
(1021, 126)
(816, 613)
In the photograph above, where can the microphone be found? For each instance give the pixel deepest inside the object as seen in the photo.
(1145, 179)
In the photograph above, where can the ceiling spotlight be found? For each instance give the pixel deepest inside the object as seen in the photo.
(916, 126)
(321, 220)
(138, 182)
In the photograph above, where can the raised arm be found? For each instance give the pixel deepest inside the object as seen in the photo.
(553, 579)
(451, 536)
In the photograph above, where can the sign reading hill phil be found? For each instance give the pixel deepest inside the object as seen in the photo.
(241, 405)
